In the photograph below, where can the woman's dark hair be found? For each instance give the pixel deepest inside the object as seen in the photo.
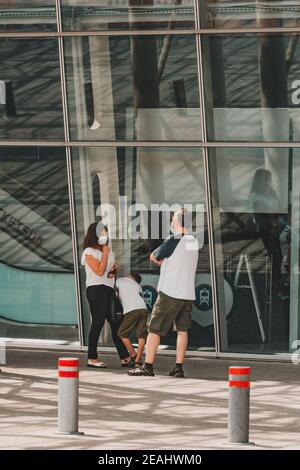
(260, 180)
(137, 277)
(91, 237)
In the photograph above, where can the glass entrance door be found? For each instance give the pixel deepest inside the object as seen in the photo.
(135, 190)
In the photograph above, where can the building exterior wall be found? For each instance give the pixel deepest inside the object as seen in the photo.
(137, 106)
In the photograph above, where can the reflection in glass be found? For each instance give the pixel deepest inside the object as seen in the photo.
(252, 87)
(139, 88)
(37, 289)
(30, 89)
(256, 224)
(27, 15)
(131, 181)
(249, 14)
(93, 15)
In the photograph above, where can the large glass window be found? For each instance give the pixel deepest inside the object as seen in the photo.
(141, 185)
(30, 90)
(92, 15)
(37, 288)
(133, 88)
(245, 14)
(27, 15)
(256, 224)
(252, 87)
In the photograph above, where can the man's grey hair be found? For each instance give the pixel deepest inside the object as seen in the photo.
(183, 217)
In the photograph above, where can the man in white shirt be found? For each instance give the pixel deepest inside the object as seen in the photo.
(178, 259)
(135, 315)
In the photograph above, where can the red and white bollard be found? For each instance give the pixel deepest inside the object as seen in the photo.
(68, 395)
(239, 404)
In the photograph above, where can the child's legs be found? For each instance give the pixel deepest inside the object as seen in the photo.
(124, 332)
(129, 346)
(141, 333)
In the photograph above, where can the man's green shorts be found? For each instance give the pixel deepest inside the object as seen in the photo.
(136, 320)
(168, 310)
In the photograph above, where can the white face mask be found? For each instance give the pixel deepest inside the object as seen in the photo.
(175, 232)
(102, 239)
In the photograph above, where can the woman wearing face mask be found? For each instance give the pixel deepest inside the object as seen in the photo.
(99, 263)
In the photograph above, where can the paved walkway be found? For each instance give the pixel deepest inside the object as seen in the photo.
(121, 412)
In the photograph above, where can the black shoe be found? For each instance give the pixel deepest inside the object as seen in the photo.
(141, 371)
(177, 372)
(130, 363)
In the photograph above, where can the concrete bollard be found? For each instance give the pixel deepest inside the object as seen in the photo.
(68, 395)
(239, 404)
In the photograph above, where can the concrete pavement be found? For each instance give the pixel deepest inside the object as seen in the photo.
(121, 412)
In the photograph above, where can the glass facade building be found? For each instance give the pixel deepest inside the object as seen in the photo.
(152, 102)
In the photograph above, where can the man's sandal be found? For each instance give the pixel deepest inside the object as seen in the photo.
(141, 372)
